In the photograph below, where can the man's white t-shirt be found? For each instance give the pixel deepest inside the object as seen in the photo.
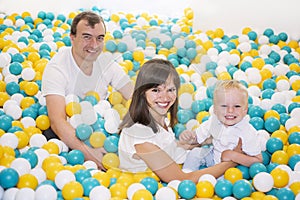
(62, 76)
(138, 134)
(224, 138)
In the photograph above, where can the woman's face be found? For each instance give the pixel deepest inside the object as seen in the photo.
(161, 98)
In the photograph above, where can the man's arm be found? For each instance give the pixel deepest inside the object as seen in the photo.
(66, 133)
(127, 90)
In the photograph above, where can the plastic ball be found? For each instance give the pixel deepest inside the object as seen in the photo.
(294, 138)
(272, 124)
(27, 181)
(274, 144)
(233, 175)
(241, 189)
(293, 160)
(187, 189)
(8, 178)
(75, 157)
(256, 168)
(83, 131)
(73, 108)
(263, 182)
(72, 190)
(111, 144)
(31, 157)
(257, 122)
(204, 189)
(97, 139)
(25, 193)
(63, 177)
(223, 188)
(118, 190)
(280, 177)
(142, 194)
(150, 184)
(46, 192)
(98, 191)
(280, 157)
(110, 160)
(285, 193)
(43, 122)
(21, 165)
(89, 184)
(165, 193)
(10, 140)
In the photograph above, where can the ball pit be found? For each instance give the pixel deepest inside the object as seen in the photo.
(266, 62)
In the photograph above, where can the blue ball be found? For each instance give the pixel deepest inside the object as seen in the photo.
(292, 106)
(122, 47)
(61, 17)
(271, 166)
(191, 53)
(274, 144)
(5, 122)
(274, 39)
(75, 157)
(294, 138)
(223, 188)
(267, 93)
(82, 174)
(198, 106)
(272, 124)
(127, 55)
(257, 123)
(256, 111)
(31, 157)
(190, 44)
(168, 44)
(111, 144)
(269, 84)
(283, 36)
(183, 116)
(181, 52)
(150, 184)
(211, 65)
(156, 41)
(244, 170)
(15, 68)
(83, 131)
(245, 65)
(187, 189)
(268, 32)
(256, 168)
(178, 128)
(275, 56)
(284, 194)
(252, 35)
(8, 178)
(279, 108)
(88, 184)
(30, 112)
(283, 118)
(117, 34)
(266, 157)
(241, 188)
(208, 103)
(294, 159)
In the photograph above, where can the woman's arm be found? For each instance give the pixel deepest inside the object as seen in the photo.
(240, 158)
(167, 170)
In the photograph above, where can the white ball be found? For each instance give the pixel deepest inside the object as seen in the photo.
(244, 47)
(291, 122)
(39, 173)
(46, 192)
(37, 140)
(165, 193)
(174, 184)
(100, 193)
(63, 177)
(185, 100)
(278, 97)
(89, 116)
(41, 154)
(254, 91)
(5, 59)
(10, 140)
(192, 123)
(75, 120)
(111, 125)
(21, 165)
(90, 164)
(25, 193)
(71, 98)
(28, 74)
(281, 70)
(209, 178)
(10, 194)
(263, 182)
(253, 75)
(133, 188)
(179, 43)
(27, 122)
(14, 111)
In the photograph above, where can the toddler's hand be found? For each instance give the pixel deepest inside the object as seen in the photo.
(187, 137)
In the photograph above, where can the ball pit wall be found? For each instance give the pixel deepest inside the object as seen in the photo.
(234, 15)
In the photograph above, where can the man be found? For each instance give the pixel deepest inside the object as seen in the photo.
(78, 70)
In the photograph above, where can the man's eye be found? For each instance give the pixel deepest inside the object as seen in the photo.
(86, 37)
(100, 39)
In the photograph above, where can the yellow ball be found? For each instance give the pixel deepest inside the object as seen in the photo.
(27, 181)
(113, 173)
(258, 195)
(126, 179)
(246, 30)
(271, 113)
(208, 44)
(6, 161)
(118, 190)
(280, 134)
(265, 74)
(295, 187)
(138, 56)
(142, 194)
(201, 115)
(3, 98)
(110, 160)
(97, 139)
(186, 88)
(72, 190)
(53, 170)
(205, 189)
(233, 175)
(258, 63)
(219, 33)
(224, 76)
(270, 197)
(115, 98)
(23, 139)
(43, 122)
(280, 177)
(8, 151)
(73, 108)
(50, 161)
(2, 86)
(295, 67)
(293, 149)
(94, 94)
(296, 85)
(280, 157)
(51, 147)
(103, 178)
(26, 102)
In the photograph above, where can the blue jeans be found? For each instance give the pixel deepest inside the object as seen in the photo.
(199, 157)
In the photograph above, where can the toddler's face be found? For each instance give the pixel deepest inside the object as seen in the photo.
(230, 106)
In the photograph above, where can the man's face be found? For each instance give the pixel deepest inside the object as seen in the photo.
(230, 106)
(88, 42)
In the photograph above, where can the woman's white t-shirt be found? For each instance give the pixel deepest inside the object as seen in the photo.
(138, 134)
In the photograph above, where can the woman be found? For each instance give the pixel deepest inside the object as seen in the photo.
(147, 139)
